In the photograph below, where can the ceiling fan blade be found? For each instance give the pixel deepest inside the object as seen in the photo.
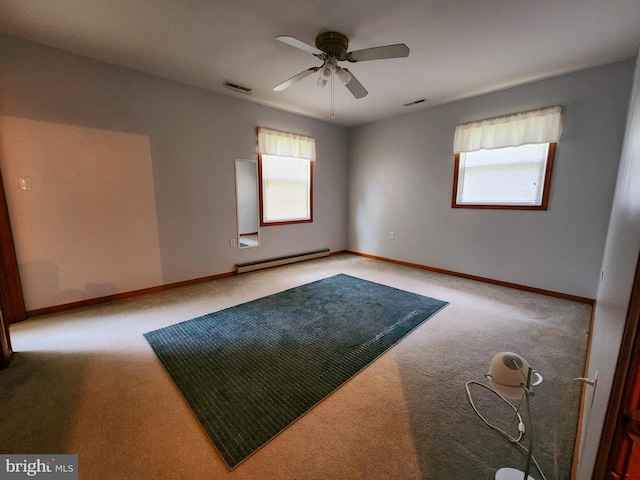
(296, 78)
(294, 42)
(399, 50)
(355, 87)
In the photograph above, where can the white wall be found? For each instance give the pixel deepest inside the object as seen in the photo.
(401, 181)
(619, 266)
(86, 225)
(192, 137)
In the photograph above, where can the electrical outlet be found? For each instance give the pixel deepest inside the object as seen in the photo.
(232, 242)
(24, 183)
(392, 235)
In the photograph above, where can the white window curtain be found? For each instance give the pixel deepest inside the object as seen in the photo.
(535, 126)
(284, 144)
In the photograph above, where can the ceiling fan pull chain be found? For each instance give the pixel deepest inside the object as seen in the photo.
(333, 111)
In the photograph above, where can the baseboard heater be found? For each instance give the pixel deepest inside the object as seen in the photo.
(275, 262)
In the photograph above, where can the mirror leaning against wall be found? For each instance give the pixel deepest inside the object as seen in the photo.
(247, 203)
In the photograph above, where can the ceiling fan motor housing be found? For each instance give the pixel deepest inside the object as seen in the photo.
(333, 44)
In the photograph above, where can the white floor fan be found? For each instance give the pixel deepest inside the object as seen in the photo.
(511, 378)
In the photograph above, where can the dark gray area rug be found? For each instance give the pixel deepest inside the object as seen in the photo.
(249, 371)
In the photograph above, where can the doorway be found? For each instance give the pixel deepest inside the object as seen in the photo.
(12, 307)
(619, 452)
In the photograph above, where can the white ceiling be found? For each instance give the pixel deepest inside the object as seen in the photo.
(459, 48)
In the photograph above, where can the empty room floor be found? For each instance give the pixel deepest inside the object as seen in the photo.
(86, 382)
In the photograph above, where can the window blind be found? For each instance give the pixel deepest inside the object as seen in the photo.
(508, 176)
(285, 189)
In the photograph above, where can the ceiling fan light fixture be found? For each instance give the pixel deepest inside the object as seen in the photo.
(343, 75)
(325, 74)
(326, 70)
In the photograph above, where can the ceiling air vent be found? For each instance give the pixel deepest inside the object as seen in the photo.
(237, 88)
(415, 103)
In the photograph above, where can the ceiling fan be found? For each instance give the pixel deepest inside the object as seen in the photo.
(331, 48)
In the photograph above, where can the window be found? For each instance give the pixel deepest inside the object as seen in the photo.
(506, 162)
(511, 177)
(285, 189)
(286, 177)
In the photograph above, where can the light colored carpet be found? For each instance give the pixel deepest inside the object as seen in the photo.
(87, 382)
